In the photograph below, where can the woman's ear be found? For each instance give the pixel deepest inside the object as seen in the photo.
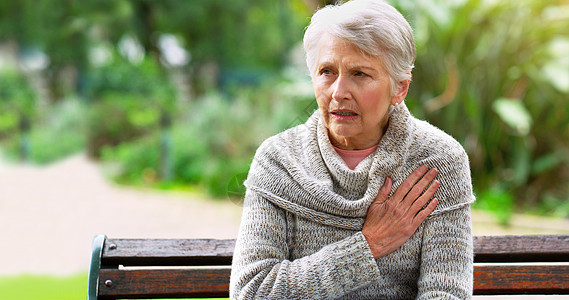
(401, 93)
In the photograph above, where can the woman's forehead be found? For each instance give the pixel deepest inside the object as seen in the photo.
(333, 50)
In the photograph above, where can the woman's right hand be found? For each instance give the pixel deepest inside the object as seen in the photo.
(390, 222)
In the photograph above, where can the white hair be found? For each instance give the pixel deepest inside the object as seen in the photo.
(374, 26)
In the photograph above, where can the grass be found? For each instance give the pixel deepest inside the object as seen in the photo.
(43, 287)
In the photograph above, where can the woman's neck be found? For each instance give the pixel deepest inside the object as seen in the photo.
(351, 143)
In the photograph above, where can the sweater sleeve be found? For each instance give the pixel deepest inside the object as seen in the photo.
(446, 270)
(447, 256)
(262, 269)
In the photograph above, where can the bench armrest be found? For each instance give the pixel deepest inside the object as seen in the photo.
(96, 253)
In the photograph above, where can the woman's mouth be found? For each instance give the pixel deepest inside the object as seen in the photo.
(343, 115)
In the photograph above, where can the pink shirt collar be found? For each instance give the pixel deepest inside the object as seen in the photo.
(353, 157)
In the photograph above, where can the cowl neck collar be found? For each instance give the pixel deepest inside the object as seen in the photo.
(300, 171)
(373, 170)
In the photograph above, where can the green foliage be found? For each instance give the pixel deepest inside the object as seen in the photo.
(130, 104)
(494, 75)
(514, 114)
(58, 132)
(146, 80)
(138, 160)
(17, 108)
(213, 142)
(552, 205)
(498, 201)
(127, 101)
(245, 33)
(17, 101)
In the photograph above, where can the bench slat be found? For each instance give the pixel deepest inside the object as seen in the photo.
(167, 252)
(174, 252)
(214, 282)
(512, 280)
(529, 248)
(164, 283)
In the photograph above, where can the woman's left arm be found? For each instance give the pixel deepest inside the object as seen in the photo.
(447, 256)
(447, 252)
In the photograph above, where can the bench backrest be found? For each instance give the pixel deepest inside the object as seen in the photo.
(187, 268)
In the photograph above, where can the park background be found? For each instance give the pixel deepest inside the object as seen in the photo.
(140, 118)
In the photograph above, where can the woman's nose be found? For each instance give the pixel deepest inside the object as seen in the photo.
(341, 89)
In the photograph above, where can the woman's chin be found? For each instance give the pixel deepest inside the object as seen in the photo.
(343, 129)
(341, 134)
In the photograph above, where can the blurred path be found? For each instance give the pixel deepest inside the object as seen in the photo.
(48, 216)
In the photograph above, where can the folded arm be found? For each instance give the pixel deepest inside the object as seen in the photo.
(262, 268)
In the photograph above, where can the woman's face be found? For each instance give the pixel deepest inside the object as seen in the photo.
(353, 92)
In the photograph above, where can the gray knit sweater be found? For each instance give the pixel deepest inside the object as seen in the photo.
(300, 235)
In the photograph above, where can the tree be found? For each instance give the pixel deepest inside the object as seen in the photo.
(491, 74)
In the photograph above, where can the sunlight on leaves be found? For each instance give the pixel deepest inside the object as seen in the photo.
(513, 113)
(557, 70)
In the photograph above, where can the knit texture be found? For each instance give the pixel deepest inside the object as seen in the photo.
(300, 234)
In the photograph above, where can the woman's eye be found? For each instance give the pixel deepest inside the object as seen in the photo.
(360, 74)
(325, 72)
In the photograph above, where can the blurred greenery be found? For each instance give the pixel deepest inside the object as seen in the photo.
(495, 75)
(126, 102)
(34, 287)
(41, 287)
(213, 139)
(176, 93)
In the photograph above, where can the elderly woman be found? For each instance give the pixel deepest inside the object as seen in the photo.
(347, 204)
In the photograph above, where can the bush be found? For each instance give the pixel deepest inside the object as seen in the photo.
(127, 101)
(117, 118)
(56, 133)
(60, 132)
(213, 141)
(495, 75)
(499, 201)
(17, 109)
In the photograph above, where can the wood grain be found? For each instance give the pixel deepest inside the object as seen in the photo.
(496, 280)
(169, 283)
(513, 265)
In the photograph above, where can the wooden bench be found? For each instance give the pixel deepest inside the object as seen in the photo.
(200, 268)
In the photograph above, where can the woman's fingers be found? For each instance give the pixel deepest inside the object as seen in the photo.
(423, 214)
(411, 196)
(423, 199)
(410, 182)
(391, 221)
(420, 187)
